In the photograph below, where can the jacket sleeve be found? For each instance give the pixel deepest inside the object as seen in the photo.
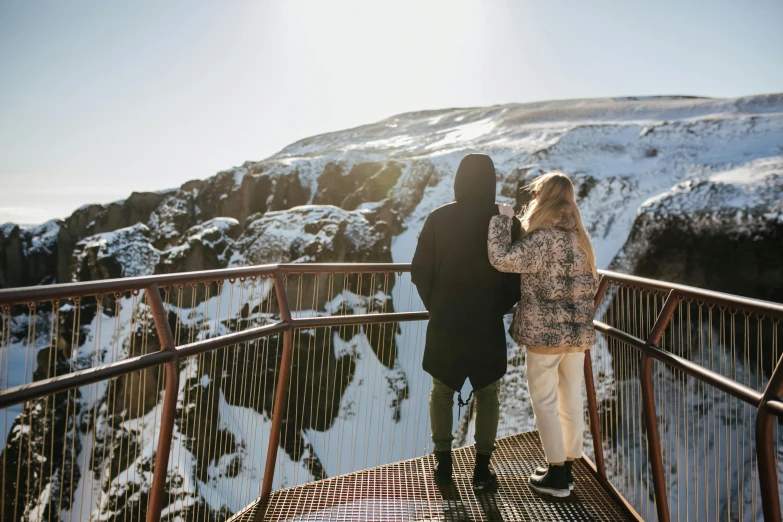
(512, 282)
(525, 256)
(423, 264)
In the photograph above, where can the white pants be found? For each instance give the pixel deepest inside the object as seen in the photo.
(555, 385)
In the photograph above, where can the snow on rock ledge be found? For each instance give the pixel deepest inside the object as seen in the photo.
(314, 233)
(204, 247)
(126, 252)
(713, 231)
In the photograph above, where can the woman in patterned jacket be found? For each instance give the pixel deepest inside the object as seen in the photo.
(553, 319)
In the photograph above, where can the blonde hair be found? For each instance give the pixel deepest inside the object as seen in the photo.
(555, 199)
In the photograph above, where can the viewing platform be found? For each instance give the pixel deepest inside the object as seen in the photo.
(406, 491)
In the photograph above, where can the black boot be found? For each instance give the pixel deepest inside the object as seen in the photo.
(541, 471)
(554, 482)
(443, 468)
(483, 477)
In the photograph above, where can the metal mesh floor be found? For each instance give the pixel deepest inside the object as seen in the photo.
(406, 491)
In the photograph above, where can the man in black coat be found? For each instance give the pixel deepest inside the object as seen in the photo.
(467, 300)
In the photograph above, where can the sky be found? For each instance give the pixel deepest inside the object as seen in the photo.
(99, 99)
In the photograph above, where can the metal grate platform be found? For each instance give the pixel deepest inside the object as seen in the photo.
(406, 491)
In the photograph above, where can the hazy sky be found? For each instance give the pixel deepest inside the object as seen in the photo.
(100, 98)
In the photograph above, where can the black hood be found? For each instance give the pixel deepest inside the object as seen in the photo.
(475, 179)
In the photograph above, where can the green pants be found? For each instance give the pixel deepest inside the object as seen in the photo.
(487, 411)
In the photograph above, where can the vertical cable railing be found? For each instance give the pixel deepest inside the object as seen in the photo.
(183, 410)
(349, 403)
(692, 366)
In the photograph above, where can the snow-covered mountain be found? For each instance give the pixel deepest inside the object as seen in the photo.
(682, 180)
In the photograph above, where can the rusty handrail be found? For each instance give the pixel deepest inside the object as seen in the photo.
(281, 390)
(25, 295)
(321, 268)
(737, 302)
(68, 381)
(648, 405)
(169, 409)
(108, 286)
(765, 453)
(592, 403)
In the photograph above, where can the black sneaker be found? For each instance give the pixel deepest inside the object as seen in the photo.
(443, 468)
(554, 482)
(483, 477)
(541, 471)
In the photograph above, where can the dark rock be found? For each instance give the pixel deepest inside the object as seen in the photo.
(722, 258)
(314, 234)
(66, 244)
(287, 191)
(42, 252)
(172, 218)
(235, 194)
(583, 185)
(34, 256)
(42, 444)
(220, 195)
(78, 222)
(254, 192)
(123, 253)
(206, 246)
(136, 209)
(13, 269)
(384, 216)
(374, 188)
(409, 189)
(194, 185)
(334, 184)
(515, 183)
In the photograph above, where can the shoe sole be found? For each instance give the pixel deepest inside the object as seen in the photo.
(485, 486)
(570, 484)
(559, 493)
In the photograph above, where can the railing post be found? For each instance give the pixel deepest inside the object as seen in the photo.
(765, 447)
(592, 403)
(648, 405)
(171, 383)
(282, 386)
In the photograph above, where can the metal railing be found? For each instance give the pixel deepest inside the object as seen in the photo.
(222, 368)
(688, 387)
(97, 375)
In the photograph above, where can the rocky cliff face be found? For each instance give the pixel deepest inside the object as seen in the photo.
(673, 188)
(721, 231)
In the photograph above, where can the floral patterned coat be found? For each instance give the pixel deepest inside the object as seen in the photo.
(556, 308)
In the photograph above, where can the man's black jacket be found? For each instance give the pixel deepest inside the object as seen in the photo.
(465, 296)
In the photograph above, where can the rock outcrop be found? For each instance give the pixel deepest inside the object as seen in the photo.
(315, 234)
(34, 256)
(126, 252)
(723, 232)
